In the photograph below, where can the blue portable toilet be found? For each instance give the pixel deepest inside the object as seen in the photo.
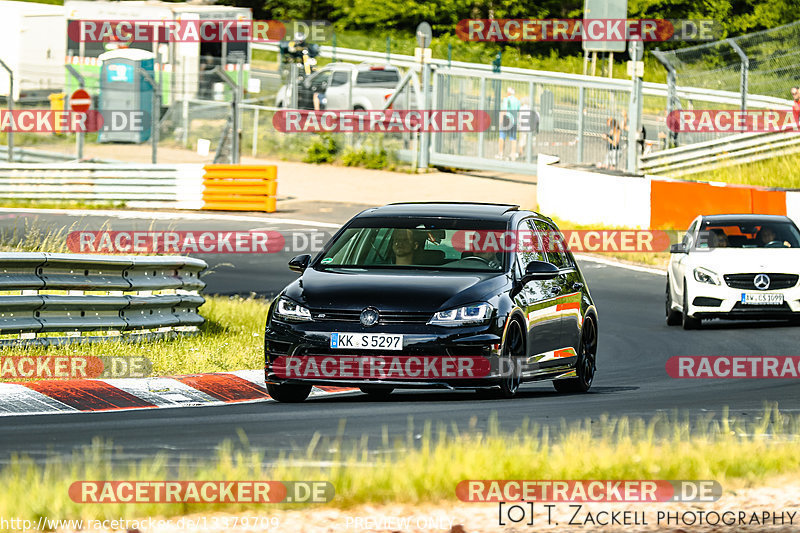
(124, 88)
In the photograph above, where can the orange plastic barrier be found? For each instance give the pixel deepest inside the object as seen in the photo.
(674, 204)
(240, 187)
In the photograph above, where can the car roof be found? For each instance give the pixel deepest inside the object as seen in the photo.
(467, 210)
(747, 218)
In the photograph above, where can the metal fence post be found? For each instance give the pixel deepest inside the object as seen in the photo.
(743, 72)
(581, 126)
(82, 84)
(634, 112)
(293, 85)
(237, 109)
(185, 117)
(255, 132)
(531, 133)
(672, 93)
(482, 105)
(425, 144)
(10, 109)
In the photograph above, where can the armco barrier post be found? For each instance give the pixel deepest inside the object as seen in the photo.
(240, 187)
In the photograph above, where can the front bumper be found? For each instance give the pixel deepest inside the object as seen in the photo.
(722, 301)
(312, 341)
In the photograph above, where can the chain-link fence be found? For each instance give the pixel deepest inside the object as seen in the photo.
(763, 63)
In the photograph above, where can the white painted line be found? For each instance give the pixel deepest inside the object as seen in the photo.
(20, 400)
(253, 376)
(617, 264)
(162, 392)
(158, 215)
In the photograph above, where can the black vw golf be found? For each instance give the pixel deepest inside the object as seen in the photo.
(434, 295)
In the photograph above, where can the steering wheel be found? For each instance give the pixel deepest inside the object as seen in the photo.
(477, 258)
(774, 244)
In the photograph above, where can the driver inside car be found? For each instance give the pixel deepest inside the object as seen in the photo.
(767, 235)
(404, 246)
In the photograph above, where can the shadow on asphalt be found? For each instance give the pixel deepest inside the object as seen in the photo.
(718, 324)
(412, 396)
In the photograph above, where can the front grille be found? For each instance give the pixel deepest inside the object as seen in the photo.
(784, 308)
(386, 318)
(776, 281)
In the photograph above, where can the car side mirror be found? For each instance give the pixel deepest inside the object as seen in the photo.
(299, 263)
(539, 270)
(678, 248)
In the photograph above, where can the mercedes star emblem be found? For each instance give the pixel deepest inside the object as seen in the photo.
(761, 281)
(369, 316)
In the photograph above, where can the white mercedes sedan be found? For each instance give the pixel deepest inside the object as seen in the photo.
(734, 267)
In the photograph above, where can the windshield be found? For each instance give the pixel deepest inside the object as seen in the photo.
(766, 234)
(411, 243)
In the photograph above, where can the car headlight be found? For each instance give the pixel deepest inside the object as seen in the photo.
(703, 275)
(463, 316)
(291, 311)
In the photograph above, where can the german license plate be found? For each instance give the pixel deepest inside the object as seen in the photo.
(762, 298)
(366, 341)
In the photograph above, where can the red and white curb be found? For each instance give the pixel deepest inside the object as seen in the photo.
(92, 395)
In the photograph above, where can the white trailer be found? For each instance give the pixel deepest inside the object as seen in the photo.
(181, 63)
(33, 45)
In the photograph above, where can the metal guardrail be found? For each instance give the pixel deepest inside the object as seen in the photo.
(91, 181)
(24, 155)
(74, 294)
(732, 150)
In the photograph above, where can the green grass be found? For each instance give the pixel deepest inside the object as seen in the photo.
(427, 467)
(774, 172)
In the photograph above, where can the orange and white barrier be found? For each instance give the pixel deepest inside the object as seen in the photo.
(588, 197)
(240, 187)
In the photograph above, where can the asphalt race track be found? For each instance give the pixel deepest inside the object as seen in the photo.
(634, 345)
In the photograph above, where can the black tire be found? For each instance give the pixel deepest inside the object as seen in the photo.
(288, 393)
(377, 393)
(688, 322)
(358, 108)
(586, 365)
(510, 366)
(673, 316)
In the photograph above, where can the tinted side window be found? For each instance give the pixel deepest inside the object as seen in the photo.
(554, 243)
(529, 249)
(378, 76)
(339, 78)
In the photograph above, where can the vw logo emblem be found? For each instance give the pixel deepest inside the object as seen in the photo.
(761, 281)
(369, 316)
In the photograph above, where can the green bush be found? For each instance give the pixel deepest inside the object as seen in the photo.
(365, 158)
(324, 149)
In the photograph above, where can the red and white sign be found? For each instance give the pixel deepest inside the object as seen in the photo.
(80, 101)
